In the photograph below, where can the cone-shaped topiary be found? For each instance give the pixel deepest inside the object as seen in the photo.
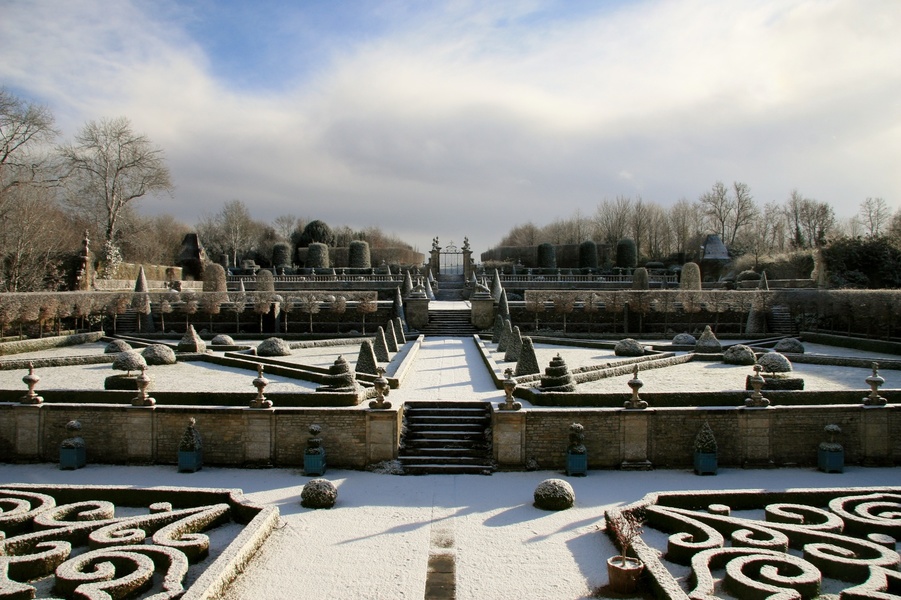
(556, 377)
(380, 346)
(366, 361)
(408, 284)
(528, 362)
(707, 343)
(191, 342)
(496, 287)
(399, 331)
(391, 337)
(704, 440)
(514, 347)
(503, 309)
(498, 328)
(506, 334)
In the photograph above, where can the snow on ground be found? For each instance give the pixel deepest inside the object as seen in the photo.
(375, 542)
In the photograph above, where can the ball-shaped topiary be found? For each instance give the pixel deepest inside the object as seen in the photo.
(748, 275)
(222, 340)
(554, 494)
(117, 346)
(684, 339)
(547, 256)
(628, 347)
(273, 347)
(319, 493)
(626, 254)
(789, 345)
(129, 361)
(739, 354)
(773, 362)
(158, 354)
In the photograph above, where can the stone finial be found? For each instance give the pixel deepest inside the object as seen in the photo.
(143, 381)
(509, 384)
(31, 380)
(756, 399)
(260, 383)
(635, 384)
(875, 381)
(381, 389)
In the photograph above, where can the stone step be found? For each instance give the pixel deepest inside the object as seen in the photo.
(436, 469)
(445, 437)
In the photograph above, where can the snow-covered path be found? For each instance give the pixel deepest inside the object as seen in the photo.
(448, 368)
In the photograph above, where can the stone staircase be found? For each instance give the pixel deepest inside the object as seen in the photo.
(449, 323)
(450, 288)
(446, 438)
(780, 321)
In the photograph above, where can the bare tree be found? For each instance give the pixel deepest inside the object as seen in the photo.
(875, 216)
(109, 166)
(744, 210)
(24, 128)
(231, 231)
(284, 226)
(685, 221)
(718, 206)
(612, 219)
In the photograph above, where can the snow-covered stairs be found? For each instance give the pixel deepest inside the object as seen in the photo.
(449, 323)
(446, 438)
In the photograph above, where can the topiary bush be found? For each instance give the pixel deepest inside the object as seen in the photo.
(588, 255)
(317, 256)
(319, 493)
(628, 347)
(691, 277)
(773, 362)
(129, 361)
(547, 256)
(281, 255)
(358, 255)
(739, 354)
(554, 494)
(684, 339)
(626, 254)
(640, 279)
(158, 354)
(222, 340)
(748, 276)
(707, 343)
(117, 346)
(789, 345)
(273, 347)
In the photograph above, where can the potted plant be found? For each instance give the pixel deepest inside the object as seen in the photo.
(705, 451)
(190, 449)
(72, 453)
(831, 455)
(314, 455)
(576, 453)
(623, 572)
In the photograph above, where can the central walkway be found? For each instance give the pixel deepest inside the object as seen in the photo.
(448, 368)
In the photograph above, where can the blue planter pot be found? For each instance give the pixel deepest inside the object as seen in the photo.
(831, 461)
(72, 458)
(190, 461)
(705, 463)
(576, 464)
(314, 464)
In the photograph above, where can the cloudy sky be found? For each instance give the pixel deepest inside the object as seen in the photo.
(464, 118)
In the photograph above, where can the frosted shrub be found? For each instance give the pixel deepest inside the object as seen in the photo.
(319, 493)
(554, 494)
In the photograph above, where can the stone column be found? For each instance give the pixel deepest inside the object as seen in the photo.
(382, 435)
(29, 444)
(509, 429)
(875, 438)
(467, 263)
(140, 439)
(417, 312)
(634, 426)
(755, 424)
(258, 439)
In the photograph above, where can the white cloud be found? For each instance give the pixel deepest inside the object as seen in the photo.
(433, 124)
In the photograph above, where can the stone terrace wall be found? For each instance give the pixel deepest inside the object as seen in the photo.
(774, 436)
(231, 436)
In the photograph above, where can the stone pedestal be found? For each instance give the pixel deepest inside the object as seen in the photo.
(482, 314)
(28, 432)
(635, 439)
(382, 435)
(417, 312)
(509, 429)
(141, 438)
(875, 438)
(756, 427)
(258, 443)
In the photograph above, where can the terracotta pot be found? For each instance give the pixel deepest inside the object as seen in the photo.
(624, 577)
